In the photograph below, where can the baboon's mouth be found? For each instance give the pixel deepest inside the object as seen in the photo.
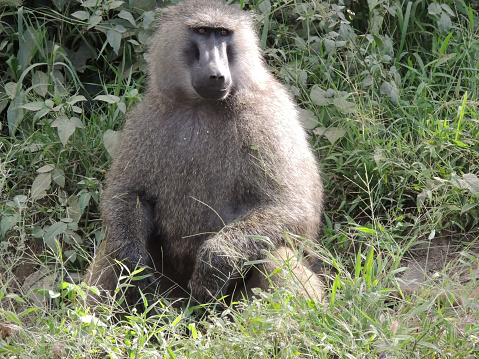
(212, 93)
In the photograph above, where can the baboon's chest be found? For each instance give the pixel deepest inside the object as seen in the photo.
(210, 174)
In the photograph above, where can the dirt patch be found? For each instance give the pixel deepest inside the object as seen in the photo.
(447, 265)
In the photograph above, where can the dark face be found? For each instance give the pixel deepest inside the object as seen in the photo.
(209, 56)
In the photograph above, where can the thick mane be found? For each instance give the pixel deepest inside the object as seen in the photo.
(206, 13)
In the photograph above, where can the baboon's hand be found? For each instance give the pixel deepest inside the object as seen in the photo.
(210, 277)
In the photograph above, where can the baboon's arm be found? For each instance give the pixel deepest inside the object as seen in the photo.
(128, 220)
(221, 258)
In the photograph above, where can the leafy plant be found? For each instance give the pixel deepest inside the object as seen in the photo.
(388, 91)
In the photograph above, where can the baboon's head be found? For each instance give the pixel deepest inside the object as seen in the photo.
(208, 55)
(204, 50)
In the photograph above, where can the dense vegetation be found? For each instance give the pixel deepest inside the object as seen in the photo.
(389, 92)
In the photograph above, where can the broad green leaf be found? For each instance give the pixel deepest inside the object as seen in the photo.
(390, 90)
(264, 6)
(82, 15)
(94, 20)
(471, 182)
(15, 113)
(344, 106)
(329, 45)
(60, 4)
(90, 3)
(107, 98)
(134, 42)
(20, 200)
(448, 10)
(115, 4)
(114, 39)
(110, 141)
(11, 89)
(132, 93)
(122, 107)
(444, 23)
(38, 232)
(8, 221)
(46, 169)
(127, 16)
(70, 254)
(49, 103)
(143, 37)
(73, 210)
(77, 109)
(80, 57)
(33, 106)
(54, 230)
(41, 183)
(73, 100)
(367, 81)
(434, 9)
(41, 113)
(66, 126)
(77, 122)
(40, 83)
(27, 47)
(308, 119)
(121, 29)
(330, 93)
(148, 18)
(318, 96)
(58, 177)
(84, 200)
(332, 134)
(300, 43)
(372, 4)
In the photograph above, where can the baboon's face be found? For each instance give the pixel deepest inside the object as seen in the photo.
(208, 54)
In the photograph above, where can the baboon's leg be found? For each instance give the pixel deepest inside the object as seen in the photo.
(295, 275)
(104, 273)
(101, 274)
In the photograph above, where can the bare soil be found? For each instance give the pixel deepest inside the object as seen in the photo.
(447, 265)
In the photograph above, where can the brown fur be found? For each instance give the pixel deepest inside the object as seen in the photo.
(194, 182)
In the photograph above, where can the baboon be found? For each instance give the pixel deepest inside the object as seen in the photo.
(213, 185)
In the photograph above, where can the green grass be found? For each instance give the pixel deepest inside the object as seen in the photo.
(390, 94)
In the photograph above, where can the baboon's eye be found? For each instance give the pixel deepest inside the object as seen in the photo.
(224, 32)
(201, 30)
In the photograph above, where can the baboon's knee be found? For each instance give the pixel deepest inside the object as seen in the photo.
(101, 274)
(294, 274)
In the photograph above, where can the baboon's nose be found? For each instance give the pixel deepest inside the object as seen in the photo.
(217, 77)
(217, 81)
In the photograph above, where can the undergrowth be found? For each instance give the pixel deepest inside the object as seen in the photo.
(388, 91)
